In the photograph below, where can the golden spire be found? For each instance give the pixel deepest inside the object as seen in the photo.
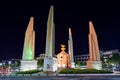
(63, 47)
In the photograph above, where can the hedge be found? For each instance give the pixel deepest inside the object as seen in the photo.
(29, 72)
(82, 71)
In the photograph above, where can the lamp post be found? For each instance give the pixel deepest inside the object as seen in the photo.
(9, 65)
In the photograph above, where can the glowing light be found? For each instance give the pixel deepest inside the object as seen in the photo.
(9, 62)
(112, 64)
(28, 54)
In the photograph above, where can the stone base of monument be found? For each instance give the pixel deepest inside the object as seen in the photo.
(94, 65)
(28, 65)
(50, 64)
(61, 65)
(72, 65)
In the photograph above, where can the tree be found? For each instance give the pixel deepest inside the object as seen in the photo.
(102, 58)
(113, 61)
(40, 62)
(82, 63)
(78, 63)
(17, 63)
(115, 58)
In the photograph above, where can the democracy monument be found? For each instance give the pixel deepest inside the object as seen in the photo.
(63, 59)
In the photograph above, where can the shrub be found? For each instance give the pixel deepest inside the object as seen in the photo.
(82, 71)
(29, 72)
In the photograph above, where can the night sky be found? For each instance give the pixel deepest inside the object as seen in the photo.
(14, 18)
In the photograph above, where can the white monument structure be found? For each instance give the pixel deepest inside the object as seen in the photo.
(28, 62)
(50, 62)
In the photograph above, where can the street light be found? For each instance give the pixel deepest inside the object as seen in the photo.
(9, 64)
(3, 64)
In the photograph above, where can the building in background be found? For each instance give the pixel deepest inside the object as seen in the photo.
(104, 53)
(81, 58)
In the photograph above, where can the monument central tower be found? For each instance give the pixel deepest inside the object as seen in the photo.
(50, 37)
(50, 62)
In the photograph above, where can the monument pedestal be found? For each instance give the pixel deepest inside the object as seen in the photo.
(50, 64)
(94, 64)
(28, 65)
(73, 65)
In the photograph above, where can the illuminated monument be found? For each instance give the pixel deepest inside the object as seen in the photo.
(28, 62)
(63, 58)
(94, 61)
(50, 62)
(70, 49)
